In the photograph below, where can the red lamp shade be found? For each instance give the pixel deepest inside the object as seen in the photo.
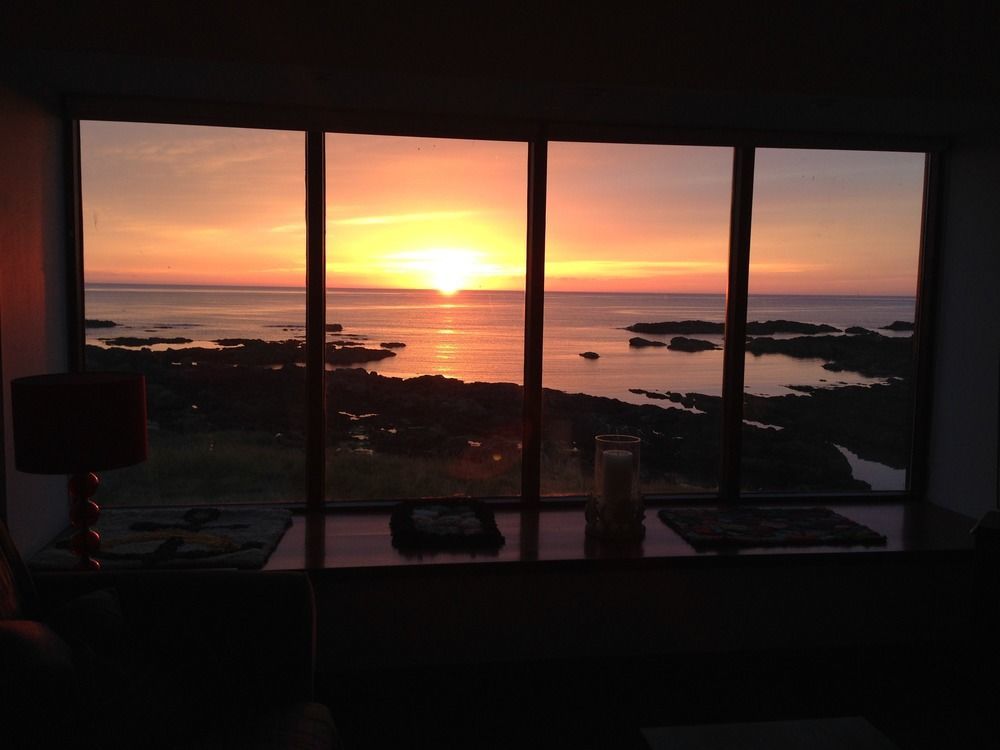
(72, 423)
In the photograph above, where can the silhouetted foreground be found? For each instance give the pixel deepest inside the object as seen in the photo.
(257, 389)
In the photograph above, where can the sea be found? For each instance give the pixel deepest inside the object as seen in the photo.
(479, 335)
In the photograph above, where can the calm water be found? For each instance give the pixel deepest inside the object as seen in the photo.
(478, 335)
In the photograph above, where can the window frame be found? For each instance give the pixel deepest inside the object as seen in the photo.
(315, 124)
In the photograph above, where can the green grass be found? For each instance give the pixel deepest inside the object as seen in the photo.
(255, 467)
(213, 467)
(371, 476)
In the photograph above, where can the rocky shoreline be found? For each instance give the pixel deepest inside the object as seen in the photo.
(754, 328)
(258, 387)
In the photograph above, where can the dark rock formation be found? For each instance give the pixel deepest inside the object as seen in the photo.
(258, 386)
(392, 345)
(91, 323)
(638, 342)
(871, 356)
(649, 394)
(871, 422)
(754, 328)
(860, 331)
(348, 355)
(334, 328)
(682, 344)
(898, 325)
(590, 355)
(771, 327)
(149, 341)
(677, 326)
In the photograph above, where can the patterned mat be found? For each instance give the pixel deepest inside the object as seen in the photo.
(712, 528)
(444, 525)
(177, 538)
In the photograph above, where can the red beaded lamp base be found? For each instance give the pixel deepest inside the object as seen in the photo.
(83, 513)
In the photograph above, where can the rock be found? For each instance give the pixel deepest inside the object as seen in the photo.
(637, 342)
(872, 356)
(898, 325)
(860, 331)
(677, 326)
(682, 344)
(755, 328)
(869, 421)
(590, 355)
(150, 341)
(91, 323)
(346, 355)
(770, 327)
(392, 345)
(334, 328)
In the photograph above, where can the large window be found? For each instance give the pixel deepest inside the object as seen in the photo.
(637, 242)
(194, 257)
(434, 327)
(425, 303)
(834, 249)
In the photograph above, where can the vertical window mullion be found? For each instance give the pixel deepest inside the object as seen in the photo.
(76, 340)
(534, 321)
(315, 319)
(916, 475)
(736, 322)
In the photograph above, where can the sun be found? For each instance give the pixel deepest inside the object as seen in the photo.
(449, 270)
(448, 282)
(445, 269)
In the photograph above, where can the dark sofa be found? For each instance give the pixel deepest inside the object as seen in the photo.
(171, 659)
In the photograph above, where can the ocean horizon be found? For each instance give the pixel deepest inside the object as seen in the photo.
(477, 335)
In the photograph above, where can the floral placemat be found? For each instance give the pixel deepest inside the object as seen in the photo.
(443, 525)
(711, 528)
(202, 537)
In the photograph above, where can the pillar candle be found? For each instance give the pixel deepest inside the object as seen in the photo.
(616, 486)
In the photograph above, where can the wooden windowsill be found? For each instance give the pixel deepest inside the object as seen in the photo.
(555, 536)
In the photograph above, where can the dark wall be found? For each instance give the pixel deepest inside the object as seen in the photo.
(32, 290)
(456, 615)
(965, 444)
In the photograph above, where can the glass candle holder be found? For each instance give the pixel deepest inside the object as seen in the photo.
(615, 509)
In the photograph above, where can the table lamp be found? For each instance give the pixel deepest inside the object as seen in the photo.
(76, 424)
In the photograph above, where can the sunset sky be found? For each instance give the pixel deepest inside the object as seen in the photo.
(184, 204)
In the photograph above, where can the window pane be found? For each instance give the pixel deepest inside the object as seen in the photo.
(193, 271)
(637, 242)
(425, 310)
(835, 243)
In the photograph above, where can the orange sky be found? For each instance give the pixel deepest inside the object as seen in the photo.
(183, 204)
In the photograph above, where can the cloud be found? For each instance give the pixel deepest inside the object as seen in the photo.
(297, 227)
(631, 268)
(403, 218)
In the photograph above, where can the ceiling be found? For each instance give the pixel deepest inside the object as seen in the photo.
(921, 69)
(819, 48)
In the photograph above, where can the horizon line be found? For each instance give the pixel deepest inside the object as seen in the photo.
(154, 284)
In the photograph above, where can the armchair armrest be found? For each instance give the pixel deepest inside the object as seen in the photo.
(37, 687)
(248, 635)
